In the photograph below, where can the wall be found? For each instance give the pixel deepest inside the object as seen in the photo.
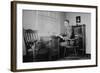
(41, 20)
(85, 19)
(29, 19)
(5, 38)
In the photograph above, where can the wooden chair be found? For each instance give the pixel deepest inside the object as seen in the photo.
(31, 39)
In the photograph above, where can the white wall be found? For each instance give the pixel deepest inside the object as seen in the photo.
(5, 38)
(29, 19)
(85, 19)
(43, 21)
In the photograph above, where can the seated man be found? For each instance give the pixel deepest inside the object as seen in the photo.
(66, 39)
(62, 40)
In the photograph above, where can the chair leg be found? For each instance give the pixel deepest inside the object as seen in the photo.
(75, 51)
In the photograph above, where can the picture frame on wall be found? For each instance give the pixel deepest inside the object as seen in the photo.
(46, 36)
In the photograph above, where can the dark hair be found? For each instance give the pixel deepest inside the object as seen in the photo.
(67, 20)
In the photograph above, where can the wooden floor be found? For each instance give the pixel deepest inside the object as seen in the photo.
(45, 58)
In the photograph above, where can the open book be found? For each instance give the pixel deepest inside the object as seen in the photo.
(60, 36)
